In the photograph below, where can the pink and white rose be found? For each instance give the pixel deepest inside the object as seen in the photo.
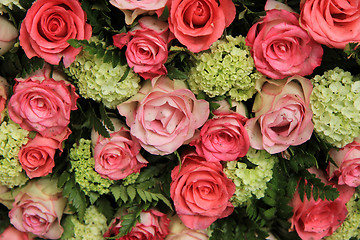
(200, 191)
(178, 231)
(38, 208)
(281, 48)
(8, 35)
(147, 47)
(11, 233)
(165, 116)
(3, 94)
(48, 25)
(348, 161)
(331, 22)
(282, 114)
(199, 23)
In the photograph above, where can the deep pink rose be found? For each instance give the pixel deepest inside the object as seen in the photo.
(333, 23)
(178, 231)
(164, 116)
(200, 191)
(199, 23)
(281, 48)
(11, 233)
(8, 35)
(282, 114)
(153, 225)
(118, 156)
(147, 47)
(38, 209)
(314, 220)
(348, 161)
(223, 138)
(3, 94)
(48, 25)
(37, 156)
(43, 105)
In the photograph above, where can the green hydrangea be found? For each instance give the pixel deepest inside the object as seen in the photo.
(351, 226)
(252, 181)
(335, 102)
(82, 164)
(101, 81)
(93, 228)
(227, 69)
(12, 137)
(9, 4)
(130, 179)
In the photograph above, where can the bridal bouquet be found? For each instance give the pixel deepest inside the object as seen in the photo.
(179, 119)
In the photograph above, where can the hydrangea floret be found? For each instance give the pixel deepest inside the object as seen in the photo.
(12, 137)
(350, 228)
(83, 164)
(93, 227)
(252, 181)
(101, 81)
(131, 179)
(227, 69)
(335, 102)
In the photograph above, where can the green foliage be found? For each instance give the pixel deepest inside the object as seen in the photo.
(4, 219)
(353, 51)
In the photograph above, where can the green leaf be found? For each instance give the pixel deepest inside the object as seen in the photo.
(116, 191)
(93, 196)
(104, 206)
(141, 194)
(97, 124)
(107, 121)
(123, 194)
(301, 189)
(270, 213)
(175, 73)
(131, 192)
(63, 178)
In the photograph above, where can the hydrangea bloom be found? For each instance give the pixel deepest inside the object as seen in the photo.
(82, 164)
(250, 182)
(93, 227)
(101, 82)
(12, 137)
(9, 4)
(335, 102)
(350, 227)
(228, 69)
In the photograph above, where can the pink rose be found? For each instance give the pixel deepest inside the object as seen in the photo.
(3, 94)
(348, 161)
(118, 156)
(8, 35)
(282, 114)
(38, 209)
(43, 105)
(281, 48)
(199, 23)
(314, 220)
(223, 138)
(37, 156)
(153, 225)
(178, 231)
(48, 25)
(164, 116)
(200, 191)
(11, 233)
(147, 47)
(331, 22)
(136, 4)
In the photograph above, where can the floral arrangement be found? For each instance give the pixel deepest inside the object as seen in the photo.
(179, 119)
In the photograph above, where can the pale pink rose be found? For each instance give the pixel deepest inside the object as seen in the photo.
(11, 233)
(200, 191)
(331, 22)
(48, 25)
(8, 35)
(281, 48)
(237, 107)
(223, 138)
(273, 4)
(147, 47)
(37, 156)
(38, 209)
(348, 161)
(197, 24)
(178, 231)
(165, 116)
(314, 220)
(282, 114)
(153, 225)
(3, 94)
(43, 105)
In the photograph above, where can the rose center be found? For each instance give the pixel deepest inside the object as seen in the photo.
(197, 14)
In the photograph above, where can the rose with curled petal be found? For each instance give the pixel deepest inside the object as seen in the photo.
(281, 48)
(333, 23)
(223, 138)
(200, 191)
(199, 23)
(38, 208)
(347, 160)
(11, 233)
(8, 35)
(165, 116)
(178, 231)
(282, 114)
(147, 47)
(48, 25)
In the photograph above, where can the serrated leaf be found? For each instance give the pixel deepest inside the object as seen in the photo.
(269, 201)
(175, 73)
(97, 124)
(74, 43)
(93, 196)
(63, 178)
(131, 192)
(107, 57)
(301, 189)
(141, 194)
(165, 200)
(116, 191)
(107, 121)
(123, 194)
(291, 186)
(69, 185)
(308, 189)
(270, 213)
